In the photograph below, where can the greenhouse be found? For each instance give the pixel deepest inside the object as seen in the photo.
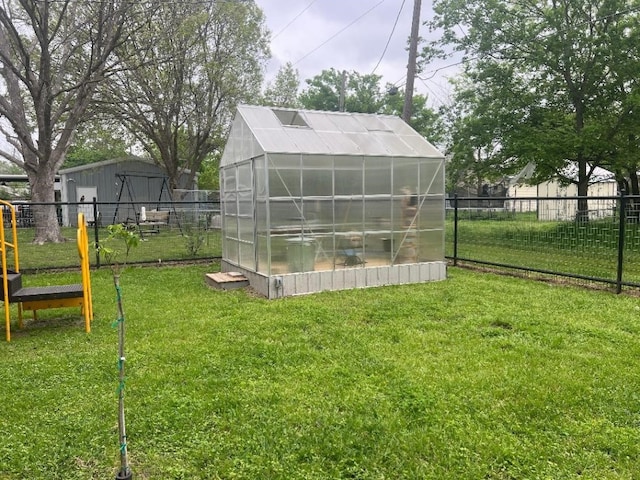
(317, 201)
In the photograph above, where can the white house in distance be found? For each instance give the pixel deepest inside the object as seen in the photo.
(316, 201)
(561, 204)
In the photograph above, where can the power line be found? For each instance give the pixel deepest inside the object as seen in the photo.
(389, 40)
(435, 95)
(444, 67)
(338, 32)
(293, 19)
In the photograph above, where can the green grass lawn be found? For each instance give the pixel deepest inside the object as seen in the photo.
(479, 376)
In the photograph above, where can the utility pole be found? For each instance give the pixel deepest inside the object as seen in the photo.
(411, 65)
(343, 87)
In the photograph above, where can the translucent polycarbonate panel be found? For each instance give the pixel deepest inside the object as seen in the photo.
(348, 175)
(285, 160)
(229, 179)
(349, 214)
(276, 140)
(399, 126)
(232, 250)
(431, 212)
(247, 256)
(245, 229)
(347, 123)
(230, 202)
(319, 215)
(225, 247)
(317, 162)
(377, 213)
(286, 215)
(263, 255)
(377, 176)
(420, 146)
(261, 217)
(245, 204)
(373, 123)
(341, 144)
(260, 172)
(262, 237)
(432, 176)
(431, 246)
(264, 117)
(406, 175)
(308, 141)
(230, 226)
(317, 175)
(394, 145)
(245, 178)
(320, 121)
(284, 175)
(241, 144)
(368, 144)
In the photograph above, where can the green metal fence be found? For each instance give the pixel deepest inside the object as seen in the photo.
(596, 239)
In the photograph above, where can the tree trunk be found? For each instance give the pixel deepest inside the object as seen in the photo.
(45, 216)
(582, 214)
(634, 183)
(633, 204)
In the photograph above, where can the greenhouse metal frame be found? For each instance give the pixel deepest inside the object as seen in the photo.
(316, 201)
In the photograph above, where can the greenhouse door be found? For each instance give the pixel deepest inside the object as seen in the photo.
(238, 228)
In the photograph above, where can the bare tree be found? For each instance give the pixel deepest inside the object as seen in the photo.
(198, 63)
(53, 54)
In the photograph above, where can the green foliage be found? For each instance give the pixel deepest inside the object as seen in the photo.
(10, 168)
(363, 94)
(209, 178)
(478, 376)
(195, 236)
(424, 120)
(122, 235)
(95, 142)
(284, 90)
(550, 83)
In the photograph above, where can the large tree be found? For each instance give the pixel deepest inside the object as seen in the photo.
(332, 91)
(283, 91)
(53, 55)
(363, 93)
(558, 74)
(198, 63)
(424, 119)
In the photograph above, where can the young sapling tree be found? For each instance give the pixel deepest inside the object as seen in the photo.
(128, 239)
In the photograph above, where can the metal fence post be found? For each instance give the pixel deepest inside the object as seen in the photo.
(455, 229)
(621, 233)
(96, 228)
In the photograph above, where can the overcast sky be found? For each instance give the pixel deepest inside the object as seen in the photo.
(316, 35)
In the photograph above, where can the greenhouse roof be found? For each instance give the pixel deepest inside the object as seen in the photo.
(259, 130)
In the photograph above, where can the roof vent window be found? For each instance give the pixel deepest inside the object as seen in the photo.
(290, 118)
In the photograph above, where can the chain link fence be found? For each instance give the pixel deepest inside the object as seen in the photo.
(595, 239)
